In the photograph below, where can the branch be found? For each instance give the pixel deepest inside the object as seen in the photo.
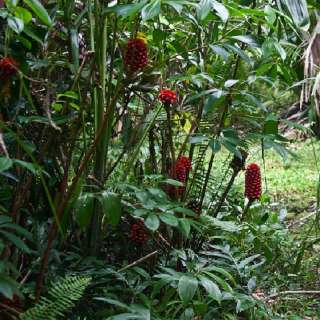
(133, 264)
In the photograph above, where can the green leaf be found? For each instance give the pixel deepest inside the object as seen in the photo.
(5, 163)
(299, 12)
(223, 53)
(212, 289)
(151, 10)
(215, 145)
(204, 9)
(84, 209)
(249, 40)
(152, 222)
(18, 229)
(75, 48)
(174, 183)
(239, 52)
(40, 11)
(271, 125)
(213, 101)
(221, 10)
(15, 240)
(127, 10)
(169, 219)
(113, 208)
(28, 165)
(8, 286)
(187, 288)
(5, 219)
(185, 227)
(16, 24)
(32, 34)
(23, 14)
(69, 94)
(254, 100)
(229, 145)
(228, 226)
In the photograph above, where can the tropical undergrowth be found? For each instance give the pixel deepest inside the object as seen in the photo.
(128, 132)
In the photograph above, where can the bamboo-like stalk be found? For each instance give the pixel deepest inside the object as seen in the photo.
(100, 158)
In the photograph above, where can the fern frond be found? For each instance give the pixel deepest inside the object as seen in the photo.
(61, 298)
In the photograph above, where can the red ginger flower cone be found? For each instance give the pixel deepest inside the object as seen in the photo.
(8, 68)
(136, 54)
(182, 168)
(138, 233)
(253, 185)
(167, 96)
(181, 171)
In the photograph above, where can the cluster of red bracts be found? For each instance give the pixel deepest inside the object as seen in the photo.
(136, 58)
(181, 170)
(167, 96)
(8, 68)
(253, 185)
(138, 233)
(136, 54)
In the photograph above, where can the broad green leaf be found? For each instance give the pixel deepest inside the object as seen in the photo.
(213, 101)
(152, 222)
(39, 10)
(271, 125)
(174, 4)
(197, 139)
(221, 10)
(15, 240)
(299, 12)
(185, 211)
(16, 24)
(5, 163)
(239, 52)
(185, 227)
(223, 53)
(31, 33)
(174, 183)
(151, 10)
(69, 94)
(215, 145)
(254, 100)
(230, 83)
(112, 207)
(204, 9)
(228, 226)
(84, 209)
(127, 10)
(187, 288)
(229, 145)
(5, 219)
(23, 14)
(249, 40)
(8, 286)
(169, 219)
(75, 48)
(281, 51)
(212, 289)
(28, 165)
(18, 229)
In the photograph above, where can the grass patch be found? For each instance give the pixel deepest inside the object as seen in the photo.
(293, 182)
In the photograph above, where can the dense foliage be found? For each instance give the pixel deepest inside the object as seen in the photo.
(125, 131)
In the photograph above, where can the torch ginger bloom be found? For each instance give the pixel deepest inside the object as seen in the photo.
(253, 185)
